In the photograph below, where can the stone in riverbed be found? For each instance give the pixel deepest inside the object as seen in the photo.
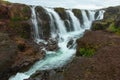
(52, 45)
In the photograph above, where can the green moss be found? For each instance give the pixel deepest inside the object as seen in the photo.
(114, 29)
(88, 52)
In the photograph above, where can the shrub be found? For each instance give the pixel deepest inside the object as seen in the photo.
(88, 52)
(113, 28)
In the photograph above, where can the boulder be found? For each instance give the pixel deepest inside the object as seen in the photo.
(52, 45)
(70, 43)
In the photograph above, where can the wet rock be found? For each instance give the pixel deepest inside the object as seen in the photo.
(70, 43)
(96, 14)
(52, 45)
(78, 14)
(87, 14)
(43, 22)
(62, 13)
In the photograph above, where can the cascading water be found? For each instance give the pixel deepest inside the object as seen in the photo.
(64, 54)
(75, 21)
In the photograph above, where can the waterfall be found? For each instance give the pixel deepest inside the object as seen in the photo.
(34, 20)
(64, 54)
(75, 21)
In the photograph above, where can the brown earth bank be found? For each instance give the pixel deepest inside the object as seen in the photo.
(103, 65)
(17, 49)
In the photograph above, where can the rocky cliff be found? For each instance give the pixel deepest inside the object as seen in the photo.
(17, 49)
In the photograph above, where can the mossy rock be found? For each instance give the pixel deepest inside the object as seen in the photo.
(62, 13)
(19, 12)
(22, 29)
(78, 14)
(99, 25)
(111, 13)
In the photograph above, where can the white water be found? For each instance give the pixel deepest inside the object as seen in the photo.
(60, 24)
(64, 54)
(75, 21)
(35, 26)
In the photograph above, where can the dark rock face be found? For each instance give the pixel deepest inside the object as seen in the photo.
(112, 12)
(117, 21)
(43, 22)
(96, 14)
(65, 17)
(100, 25)
(62, 13)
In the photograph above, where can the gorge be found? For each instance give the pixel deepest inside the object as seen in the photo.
(51, 22)
(53, 33)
